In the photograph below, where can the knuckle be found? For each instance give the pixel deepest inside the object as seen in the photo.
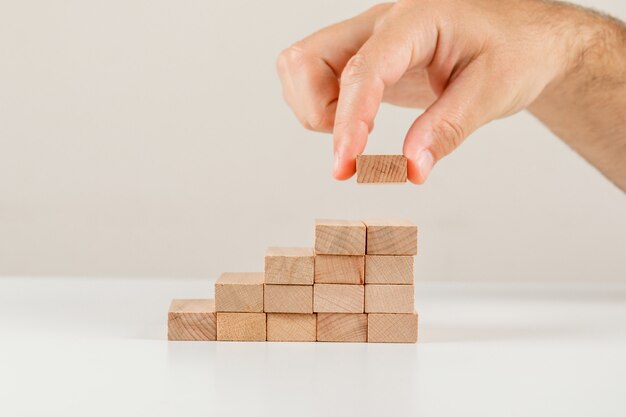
(449, 134)
(290, 58)
(355, 70)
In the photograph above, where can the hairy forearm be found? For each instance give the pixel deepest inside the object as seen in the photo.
(586, 107)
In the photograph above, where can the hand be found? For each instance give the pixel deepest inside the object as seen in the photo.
(467, 62)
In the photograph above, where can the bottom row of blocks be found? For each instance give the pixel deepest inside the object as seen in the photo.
(197, 320)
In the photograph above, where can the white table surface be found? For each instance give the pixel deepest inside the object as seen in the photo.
(97, 347)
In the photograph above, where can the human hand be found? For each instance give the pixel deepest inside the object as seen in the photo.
(467, 62)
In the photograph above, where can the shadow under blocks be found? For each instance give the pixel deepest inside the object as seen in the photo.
(355, 285)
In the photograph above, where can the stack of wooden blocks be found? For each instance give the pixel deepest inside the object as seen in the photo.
(356, 285)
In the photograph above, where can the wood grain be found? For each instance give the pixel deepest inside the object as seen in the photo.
(339, 269)
(388, 269)
(381, 168)
(338, 298)
(339, 237)
(288, 299)
(392, 328)
(389, 298)
(391, 237)
(289, 266)
(291, 327)
(244, 327)
(239, 292)
(191, 320)
(340, 327)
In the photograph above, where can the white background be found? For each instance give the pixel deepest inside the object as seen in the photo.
(149, 138)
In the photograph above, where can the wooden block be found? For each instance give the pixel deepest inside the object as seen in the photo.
(388, 269)
(389, 298)
(239, 292)
(341, 327)
(339, 237)
(289, 299)
(289, 266)
(291, 327)
(380, 168)
(338, 298)
(244, 327)
(391, 237)
(398, 328)
(191, 320)
(339, 269)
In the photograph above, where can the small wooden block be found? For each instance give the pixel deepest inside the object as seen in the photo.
(191, 320)
(289, 266)
(291, 327)
(338, 298)
(244, 327)
(339, 269)
(393, 328)
(380, 168)
(386, 269)
(289, 299)
(391, 237)
(239, 292)
(339, 237)
(340, 327)
(389, 298)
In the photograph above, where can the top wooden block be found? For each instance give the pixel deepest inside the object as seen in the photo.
(289, 266)
(339, 237)
(391, 237)
(240, 292)
(380, 168)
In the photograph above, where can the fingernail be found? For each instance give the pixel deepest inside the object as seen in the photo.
(336, 164)
(425, 163)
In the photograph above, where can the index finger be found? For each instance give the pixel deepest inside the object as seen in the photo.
(380, 62)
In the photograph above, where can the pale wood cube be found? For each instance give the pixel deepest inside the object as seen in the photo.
(339, 269)
(389, 298)
(388, 269)
(243, 327)
(338, 298)
(339, 237)
(282, 327)
(239, 292)
(381, 168)
(289, 266)
(341, 327)
(391, 237)
(289, 299)
(392, 328)
(191, 320)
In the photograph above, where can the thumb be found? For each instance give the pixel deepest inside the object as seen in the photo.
(467, 103)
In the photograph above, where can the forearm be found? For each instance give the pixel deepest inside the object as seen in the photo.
(586, 107)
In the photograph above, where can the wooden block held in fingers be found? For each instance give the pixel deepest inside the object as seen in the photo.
(391, 237)
(244, 327)
(289, 266)
(282, 327)
(239, 292)
(289, 299)
(388, 269)
(338, 298)
(191, 320)
(339, 237)
(341, 327)
(339, 269)
(392, 328)
(389, 298)
(381, 168)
